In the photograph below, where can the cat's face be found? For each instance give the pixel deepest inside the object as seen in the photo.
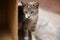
(30, 9)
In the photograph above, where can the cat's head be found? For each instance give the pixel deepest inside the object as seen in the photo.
(30, 9)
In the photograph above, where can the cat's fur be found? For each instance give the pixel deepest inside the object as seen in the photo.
(30, 10)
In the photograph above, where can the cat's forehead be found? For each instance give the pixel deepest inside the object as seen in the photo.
(31, 3)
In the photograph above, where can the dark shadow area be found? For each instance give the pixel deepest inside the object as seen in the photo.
(20, 20)
(20, 35)
(4, 26)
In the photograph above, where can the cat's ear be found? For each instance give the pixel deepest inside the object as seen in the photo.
(36, 5)
(23, 4)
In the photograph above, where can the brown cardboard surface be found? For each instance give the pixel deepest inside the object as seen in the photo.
(3, 18)
(5, 33)
(13, 18)
(8, 20)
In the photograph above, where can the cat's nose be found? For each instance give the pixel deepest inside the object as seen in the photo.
(27, 16)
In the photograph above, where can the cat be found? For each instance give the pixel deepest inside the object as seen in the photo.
(30, 10)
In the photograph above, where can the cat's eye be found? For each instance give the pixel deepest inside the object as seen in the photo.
(25, 11)
(32, 12)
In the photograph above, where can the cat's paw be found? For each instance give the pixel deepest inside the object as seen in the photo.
(26, 38)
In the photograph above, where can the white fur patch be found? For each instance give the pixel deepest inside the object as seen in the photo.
(26, 38)
(19, 4)
(33, 36)
(27, 15)
(32, 2)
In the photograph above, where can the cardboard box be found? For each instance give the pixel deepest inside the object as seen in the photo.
(8, 20)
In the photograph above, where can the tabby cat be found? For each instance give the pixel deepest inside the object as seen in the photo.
(30, 10)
